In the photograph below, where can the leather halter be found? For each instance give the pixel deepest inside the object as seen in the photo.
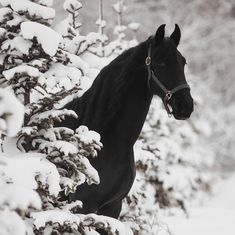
(168, 93)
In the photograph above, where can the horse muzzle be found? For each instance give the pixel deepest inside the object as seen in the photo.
(182, 106)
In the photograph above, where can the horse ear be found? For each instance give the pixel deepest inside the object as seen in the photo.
(160, 33)
(175, 36)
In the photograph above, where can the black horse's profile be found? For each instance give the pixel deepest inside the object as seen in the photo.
(116, 106)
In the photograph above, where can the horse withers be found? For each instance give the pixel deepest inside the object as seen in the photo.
(116, 106)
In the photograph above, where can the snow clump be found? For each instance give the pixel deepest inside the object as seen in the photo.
(47, 37)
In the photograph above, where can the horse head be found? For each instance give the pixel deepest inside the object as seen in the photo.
(166, 75)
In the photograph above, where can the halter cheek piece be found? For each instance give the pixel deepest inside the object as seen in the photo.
(168, 93)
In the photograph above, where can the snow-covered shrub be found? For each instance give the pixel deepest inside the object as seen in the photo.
(120, 44)
(173, 171)
(76, 43)
(44, 74)
(134, 26)
(11, 113)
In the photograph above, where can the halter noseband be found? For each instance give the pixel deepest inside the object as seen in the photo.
(168, 93)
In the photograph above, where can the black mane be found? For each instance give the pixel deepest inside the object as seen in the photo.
(99, 104)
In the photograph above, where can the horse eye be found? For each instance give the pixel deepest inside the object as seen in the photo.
(161, 65)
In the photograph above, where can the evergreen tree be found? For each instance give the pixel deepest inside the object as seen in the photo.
(39, 67)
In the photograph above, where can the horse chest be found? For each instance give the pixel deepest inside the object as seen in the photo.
(117, 183)
(116, 176)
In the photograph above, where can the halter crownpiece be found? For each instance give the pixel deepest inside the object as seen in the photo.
(168, 93)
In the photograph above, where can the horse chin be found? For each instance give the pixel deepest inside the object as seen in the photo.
(180, 117)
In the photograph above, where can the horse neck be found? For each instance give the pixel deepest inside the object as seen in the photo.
(131, 112)
(130, 118)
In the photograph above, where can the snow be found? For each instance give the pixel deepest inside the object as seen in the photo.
(9, 147)
(47, 37)
(11, 223)
(4, 12)
(87, 136)
(96, 64)
(31, 8)
(64, 130)
(134, 26)
(90, 172)
(119, 7)
(88, 139)
(21, 202)
(2, 32)
(64, 76)
(85, 84)
(214, 217)
(115, 226)
(29, 130)
(18, 43)
(50, 146)
(101, 23)
(62, 27)
(48, 3)
(72, 5)
(70, 185)
(22, 170)
(15, 21)
(13, 111)
(55, 216)
(50, 114)
(21, 69)
(76, 220)
(71, 205)
(77, 62)
(80, 44)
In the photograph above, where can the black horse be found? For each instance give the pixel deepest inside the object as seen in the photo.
(116, 106)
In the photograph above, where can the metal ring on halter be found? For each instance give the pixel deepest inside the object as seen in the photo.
(148, 60)
(168, 95)
(169, 115)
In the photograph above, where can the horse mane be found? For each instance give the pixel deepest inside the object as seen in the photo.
(122, 81)
(100, 103)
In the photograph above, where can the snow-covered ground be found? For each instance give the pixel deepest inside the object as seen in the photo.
(216, 217)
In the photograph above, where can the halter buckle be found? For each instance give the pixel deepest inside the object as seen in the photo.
(148, 60)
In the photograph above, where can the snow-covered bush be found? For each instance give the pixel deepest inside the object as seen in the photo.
(69, 27)
(120, 44)
(11, 113)
(38, 65)
(173, 171)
